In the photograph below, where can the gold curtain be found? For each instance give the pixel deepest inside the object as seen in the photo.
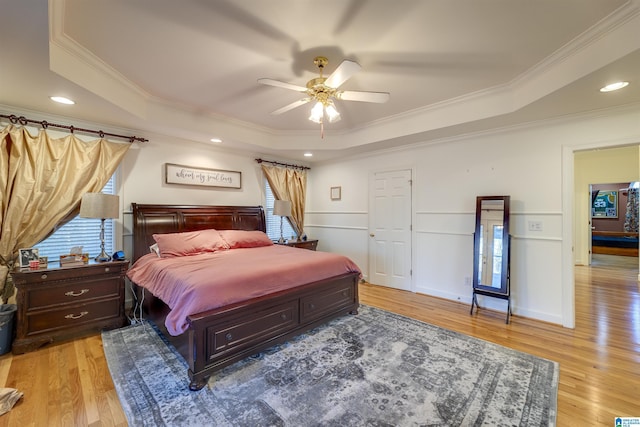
(289, 184)
(42, 181)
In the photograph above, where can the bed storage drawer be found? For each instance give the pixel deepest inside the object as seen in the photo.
(245, 332)
(329, 300)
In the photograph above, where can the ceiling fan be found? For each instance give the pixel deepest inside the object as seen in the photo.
(323, 90)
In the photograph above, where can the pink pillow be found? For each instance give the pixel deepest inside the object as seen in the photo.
(189, 243)
(245, 239)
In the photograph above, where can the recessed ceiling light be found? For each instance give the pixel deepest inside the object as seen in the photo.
(614, 86)
(308, 154)
(216, 140)
(62, 100)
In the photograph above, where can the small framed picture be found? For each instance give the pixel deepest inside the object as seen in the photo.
(336, 193)
(28, 254)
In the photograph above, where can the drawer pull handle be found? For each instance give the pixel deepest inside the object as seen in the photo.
(106, 269)
(73, 316)
(229, 337)
(312, 306)
(44, 276)
(283, 316)
(76, 294)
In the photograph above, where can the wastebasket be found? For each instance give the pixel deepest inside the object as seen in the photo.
(7, 314)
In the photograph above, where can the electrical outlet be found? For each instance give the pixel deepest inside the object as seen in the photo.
(535, 225)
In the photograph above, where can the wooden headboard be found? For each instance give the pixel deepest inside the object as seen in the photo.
(158, 219)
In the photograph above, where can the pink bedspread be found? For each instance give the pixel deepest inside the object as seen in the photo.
(193, 284)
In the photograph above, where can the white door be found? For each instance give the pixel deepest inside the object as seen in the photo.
(390, 229)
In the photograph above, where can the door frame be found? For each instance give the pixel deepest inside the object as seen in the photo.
(372, 173)
(590, 228)
(568, 222)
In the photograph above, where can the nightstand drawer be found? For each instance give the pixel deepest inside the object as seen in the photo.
(77, 272)
(71, 293)
(72, 316)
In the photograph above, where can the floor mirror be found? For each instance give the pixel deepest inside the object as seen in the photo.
(491, 249)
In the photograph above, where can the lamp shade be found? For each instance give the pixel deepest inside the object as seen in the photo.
(99, 205)
(282, 208)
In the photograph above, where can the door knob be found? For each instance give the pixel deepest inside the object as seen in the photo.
(372, 235)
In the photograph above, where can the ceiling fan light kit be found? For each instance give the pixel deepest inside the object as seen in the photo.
(316, 113)
(331, 111)
(323, 91)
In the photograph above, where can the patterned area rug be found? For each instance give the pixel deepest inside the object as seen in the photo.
(373, 369)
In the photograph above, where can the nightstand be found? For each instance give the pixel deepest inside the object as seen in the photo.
(304, 244)
(55, 304)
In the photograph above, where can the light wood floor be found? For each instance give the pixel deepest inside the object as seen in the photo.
(69, 384)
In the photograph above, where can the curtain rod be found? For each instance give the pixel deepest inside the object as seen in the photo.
(24, 121)
(283, 164)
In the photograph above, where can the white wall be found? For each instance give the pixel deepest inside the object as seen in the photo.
(526, 163)
(143, 174)
(142, 177)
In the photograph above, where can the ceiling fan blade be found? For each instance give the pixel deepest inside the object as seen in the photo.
(344, 72)
(277, 83)
(352, 95)
(291, 106)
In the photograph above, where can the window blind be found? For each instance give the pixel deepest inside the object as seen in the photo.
(83, 232)
(273, 221)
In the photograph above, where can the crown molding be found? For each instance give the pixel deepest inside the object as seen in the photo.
(624, 15)
(73, 61)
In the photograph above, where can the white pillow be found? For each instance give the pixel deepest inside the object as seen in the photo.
(154, 249)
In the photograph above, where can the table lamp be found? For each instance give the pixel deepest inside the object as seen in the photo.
(282, 208)
(102, 206)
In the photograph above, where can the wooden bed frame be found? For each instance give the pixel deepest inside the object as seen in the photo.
(220, 337)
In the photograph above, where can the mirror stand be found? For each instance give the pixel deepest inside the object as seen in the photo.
(505, 296)
(491, 250)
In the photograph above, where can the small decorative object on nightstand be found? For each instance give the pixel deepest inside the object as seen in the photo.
(67, 302)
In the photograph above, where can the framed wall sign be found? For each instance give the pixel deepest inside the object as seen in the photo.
(605, 204)
(189, 175)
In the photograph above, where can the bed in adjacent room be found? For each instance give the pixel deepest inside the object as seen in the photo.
(220, 290)
(623, 243)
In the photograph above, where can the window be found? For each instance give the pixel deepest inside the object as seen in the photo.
(273, 221)
(83, 232)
